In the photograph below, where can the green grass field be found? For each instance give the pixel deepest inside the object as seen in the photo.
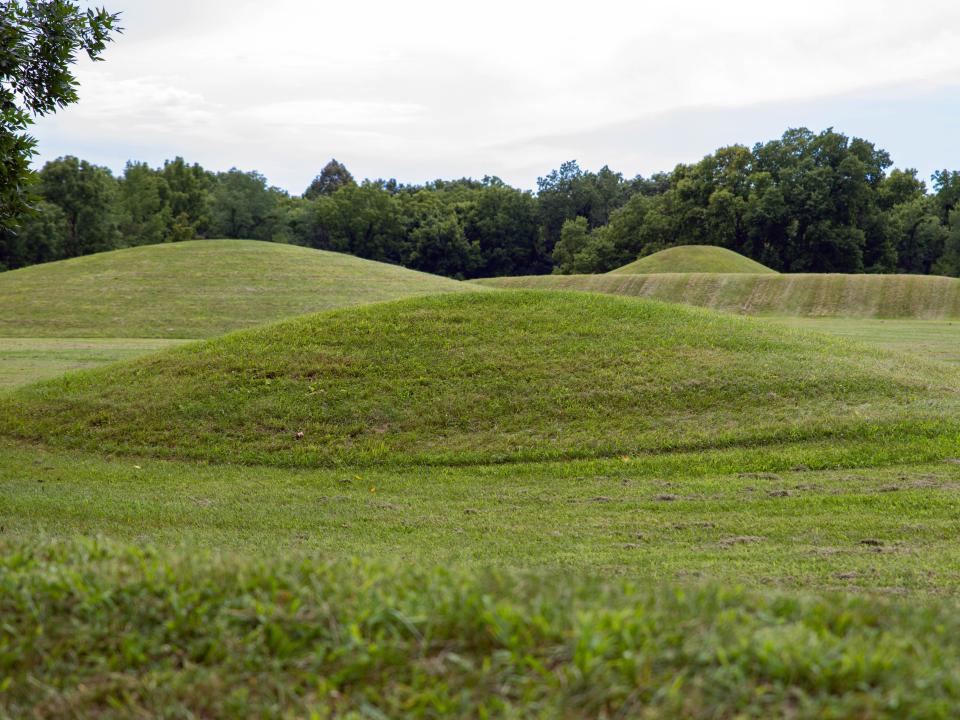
(882, 521)
(693, 259)
(512, 504)
(919, 297)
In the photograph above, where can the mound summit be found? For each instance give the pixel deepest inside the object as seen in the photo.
(487, 377)
(693, 259)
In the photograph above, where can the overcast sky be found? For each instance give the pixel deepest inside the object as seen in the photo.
(419, 90)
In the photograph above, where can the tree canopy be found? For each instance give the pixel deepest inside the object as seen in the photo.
(39, 42)
(805, 202)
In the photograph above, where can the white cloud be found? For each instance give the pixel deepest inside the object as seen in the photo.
(427, 88)
(141, 104)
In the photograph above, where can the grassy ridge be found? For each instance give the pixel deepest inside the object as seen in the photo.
(854, 296)
(693, 258)
(194, 289)
(217, 637)
(488, 377)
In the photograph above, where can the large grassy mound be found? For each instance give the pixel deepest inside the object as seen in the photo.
(194, 289)
(810, 295)
(488, 377)
(693, 258)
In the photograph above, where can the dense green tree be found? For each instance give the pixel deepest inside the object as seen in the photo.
(574, 237)
(805, 202)
(828, 184)
(569, 192)
(817, 202)
(946, 184)
(188, 189)
(39, 41)
(86, 194)
(146, 217)
(899, 187)
(949, 261)
(333, 177)
(638, 228)
(243, 206)
(38, 238)
(364, 220)
(435, 239)
(501, 224)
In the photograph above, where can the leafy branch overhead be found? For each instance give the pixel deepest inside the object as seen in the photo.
(39, 43)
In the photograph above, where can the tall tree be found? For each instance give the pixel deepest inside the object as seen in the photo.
(144, 212)
(570, 192)
(502, 226)
(39, 41)
(39, 237)
(333, 177)
(435, 239)
(243, 206)
(86, 194)
(364, 220)
(188, 189)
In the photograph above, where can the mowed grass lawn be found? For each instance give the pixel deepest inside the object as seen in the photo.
(132, 632)
(27, 360)
(634, 587)
(742, 517)
(932, 339)
(502, 505)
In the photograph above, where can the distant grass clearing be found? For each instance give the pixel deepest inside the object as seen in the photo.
(694, 258)
(930, 339)
(490, 378)
(26, 360)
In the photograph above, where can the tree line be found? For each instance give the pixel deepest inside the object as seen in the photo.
(807, 202)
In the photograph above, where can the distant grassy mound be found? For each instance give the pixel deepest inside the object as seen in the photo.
(814, 295)
(194, 289)
(488, 377)
(694, 259)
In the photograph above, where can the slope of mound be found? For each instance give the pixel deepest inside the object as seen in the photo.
(693, 258)
(487, 377)
(194, 289)
(815, 295)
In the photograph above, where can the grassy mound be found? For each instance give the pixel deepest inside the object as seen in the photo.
(488, 377)
(296, 638)
(194, 289)
(693, 259)
(815, 295)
